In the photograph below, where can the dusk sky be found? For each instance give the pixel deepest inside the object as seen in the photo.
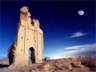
(66, 32)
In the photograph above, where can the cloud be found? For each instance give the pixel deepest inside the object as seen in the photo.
(74, 51)
(77, 34)
(79, 50)
(81, 47)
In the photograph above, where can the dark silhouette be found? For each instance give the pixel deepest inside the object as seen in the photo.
(32, 54)
(11, 54)
(3, 65)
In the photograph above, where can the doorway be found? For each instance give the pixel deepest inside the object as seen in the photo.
(32, 54)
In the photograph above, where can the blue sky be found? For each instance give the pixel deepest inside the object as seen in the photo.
(62, 25)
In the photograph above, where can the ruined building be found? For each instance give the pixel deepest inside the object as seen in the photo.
(29, 41)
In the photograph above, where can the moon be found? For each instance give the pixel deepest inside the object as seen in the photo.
(80, 12)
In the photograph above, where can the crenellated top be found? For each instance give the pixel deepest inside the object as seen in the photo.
(27, 22)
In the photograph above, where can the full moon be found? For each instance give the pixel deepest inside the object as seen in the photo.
(80, 12)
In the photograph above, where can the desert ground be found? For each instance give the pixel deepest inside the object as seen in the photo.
(80, 64)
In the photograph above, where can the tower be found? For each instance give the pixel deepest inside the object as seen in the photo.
(29, 40)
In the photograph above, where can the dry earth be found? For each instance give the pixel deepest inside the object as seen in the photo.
(81, 64)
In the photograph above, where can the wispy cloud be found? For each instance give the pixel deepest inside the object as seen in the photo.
(77, 34)
(79, 49)
(75, 51)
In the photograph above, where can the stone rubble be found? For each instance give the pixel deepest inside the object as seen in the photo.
(58, 65)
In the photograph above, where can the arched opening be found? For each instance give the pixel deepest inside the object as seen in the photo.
(32, 54)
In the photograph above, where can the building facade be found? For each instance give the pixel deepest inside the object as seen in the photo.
(29, 40)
